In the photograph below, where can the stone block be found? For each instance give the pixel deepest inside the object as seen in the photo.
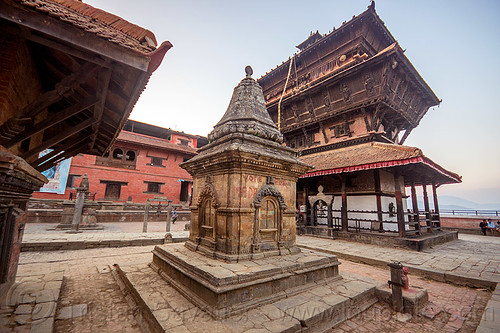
(44, 310)
(74, 311)
(44, 325)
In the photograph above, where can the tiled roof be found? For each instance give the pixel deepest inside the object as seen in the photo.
(371, 155)
(94, 20)
(141, 139)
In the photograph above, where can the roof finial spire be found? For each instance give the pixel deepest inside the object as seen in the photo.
(249, 71)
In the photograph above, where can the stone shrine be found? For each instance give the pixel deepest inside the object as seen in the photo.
(242, 251)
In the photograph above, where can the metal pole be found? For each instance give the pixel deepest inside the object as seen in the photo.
(146, 216)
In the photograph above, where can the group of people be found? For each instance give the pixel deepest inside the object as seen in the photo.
(489, 226)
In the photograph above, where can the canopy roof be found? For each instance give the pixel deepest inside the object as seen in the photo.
(409, 162)
(91, 66)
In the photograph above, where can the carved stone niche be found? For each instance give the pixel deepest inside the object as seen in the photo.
(321, 208)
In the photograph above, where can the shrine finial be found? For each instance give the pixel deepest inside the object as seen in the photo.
(249, 71)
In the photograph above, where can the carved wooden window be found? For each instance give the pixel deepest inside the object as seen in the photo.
(118, 158)
(341, 130)
(117, 154)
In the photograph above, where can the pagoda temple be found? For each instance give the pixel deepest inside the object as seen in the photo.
(347, 101)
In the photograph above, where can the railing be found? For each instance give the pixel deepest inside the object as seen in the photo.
(470, 212)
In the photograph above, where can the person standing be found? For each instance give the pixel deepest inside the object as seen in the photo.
(174, 216)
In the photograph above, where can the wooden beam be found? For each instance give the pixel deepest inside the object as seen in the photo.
(73, 36)
(407, 132)
(58, 138)
(343, 209)
(63, 87)
(367, 124)
(49, 122)
(60, 157)
(102, 92)
(379, 121)
(58, 150)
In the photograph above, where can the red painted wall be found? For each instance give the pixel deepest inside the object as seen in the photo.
(170, 174)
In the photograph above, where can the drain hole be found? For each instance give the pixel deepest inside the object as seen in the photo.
(303, 323)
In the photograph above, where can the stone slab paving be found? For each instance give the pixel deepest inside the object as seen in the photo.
(472, 260)
(161, 308)
(39, 237)
(30, 304)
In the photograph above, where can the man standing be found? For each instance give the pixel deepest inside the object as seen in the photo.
(174, 216)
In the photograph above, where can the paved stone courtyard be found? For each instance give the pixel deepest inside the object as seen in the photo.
(88, 281)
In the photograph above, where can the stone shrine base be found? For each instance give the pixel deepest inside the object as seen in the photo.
(223, 289)
(159, 307)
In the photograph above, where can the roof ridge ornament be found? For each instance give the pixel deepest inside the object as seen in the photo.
(249, 71)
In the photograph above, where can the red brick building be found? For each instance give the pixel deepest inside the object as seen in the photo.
(142, 163)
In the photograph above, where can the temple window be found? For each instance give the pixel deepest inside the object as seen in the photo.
(153, 187)
(156, 161)
(207, 216)
(118, 159)
(117, 154)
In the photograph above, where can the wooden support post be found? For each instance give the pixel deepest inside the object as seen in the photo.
(343, 214)
(428, 216)
(378, 193)
(414, 204)
(436, 206)
(399, 206)
(407, 132)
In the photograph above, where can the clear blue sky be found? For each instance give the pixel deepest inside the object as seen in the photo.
(455, 46)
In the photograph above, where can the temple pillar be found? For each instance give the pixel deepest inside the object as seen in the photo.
(378, 226)
(343, 212)
(399, 206)
(414, 204)
(426, 206)
(436, 207)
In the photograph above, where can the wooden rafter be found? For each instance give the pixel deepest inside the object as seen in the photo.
(50, 97)
(49, 122)
(58, 138)
(102, 92)
(407, 132)
(62, 156)
(58, 150)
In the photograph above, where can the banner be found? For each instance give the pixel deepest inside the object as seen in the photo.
(57, 175)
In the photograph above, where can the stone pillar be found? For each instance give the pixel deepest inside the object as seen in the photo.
(396, 285)
(169, 215)
(81, 192)
(146, 217)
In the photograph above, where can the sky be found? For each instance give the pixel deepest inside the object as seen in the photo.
(454, 45)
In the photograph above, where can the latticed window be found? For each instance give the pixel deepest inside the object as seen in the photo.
(268, 213)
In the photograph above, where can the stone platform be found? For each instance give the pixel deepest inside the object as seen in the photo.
(417, 243)
(224, 289)
(159, 307)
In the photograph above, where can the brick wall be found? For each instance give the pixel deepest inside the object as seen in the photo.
(134, 186)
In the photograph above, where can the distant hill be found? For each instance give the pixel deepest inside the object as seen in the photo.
(449, 202)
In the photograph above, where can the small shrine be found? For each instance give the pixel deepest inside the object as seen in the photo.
(242, 250)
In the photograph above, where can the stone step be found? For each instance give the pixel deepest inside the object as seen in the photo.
(159, 307)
